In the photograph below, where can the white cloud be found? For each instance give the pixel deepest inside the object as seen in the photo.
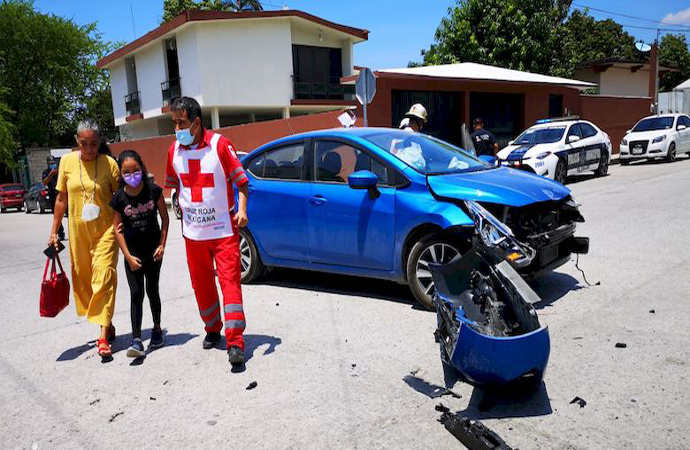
(680, 18)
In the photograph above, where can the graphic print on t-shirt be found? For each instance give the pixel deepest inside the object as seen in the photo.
(139, 219)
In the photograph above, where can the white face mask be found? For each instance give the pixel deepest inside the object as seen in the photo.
(90, 212)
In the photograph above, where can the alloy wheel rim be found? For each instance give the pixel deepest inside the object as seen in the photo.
(560, 173)
(439, 253)
(245, 255)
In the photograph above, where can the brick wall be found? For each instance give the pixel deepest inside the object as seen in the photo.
(614, 115)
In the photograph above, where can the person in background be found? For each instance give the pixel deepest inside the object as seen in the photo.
(484, 142)
(86, 183)
(136, 207)
(414, 119)
(50, 176)
(203, 167)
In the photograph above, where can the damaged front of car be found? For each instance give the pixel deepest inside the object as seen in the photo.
(539, 213)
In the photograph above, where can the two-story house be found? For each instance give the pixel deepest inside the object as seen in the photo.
(241, 67)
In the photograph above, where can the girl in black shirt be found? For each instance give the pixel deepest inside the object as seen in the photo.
(137, 205)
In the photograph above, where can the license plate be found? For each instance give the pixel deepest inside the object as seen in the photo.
(18, 196)
(637, 150)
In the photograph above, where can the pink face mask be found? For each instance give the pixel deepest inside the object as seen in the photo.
(132, 179)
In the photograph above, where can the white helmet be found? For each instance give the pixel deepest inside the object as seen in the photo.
(418, 112)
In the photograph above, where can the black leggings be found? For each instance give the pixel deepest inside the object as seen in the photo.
(150, 271)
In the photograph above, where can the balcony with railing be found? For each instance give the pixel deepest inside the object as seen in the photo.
(329, 88)
(132, 105)
(171, 91)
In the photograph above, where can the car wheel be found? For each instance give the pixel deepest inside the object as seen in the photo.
(603, 168)
(671, 154)
(250, 261)
(41, 208)
(432, 248)
(26, 207)
(561, 171)
(176, 206)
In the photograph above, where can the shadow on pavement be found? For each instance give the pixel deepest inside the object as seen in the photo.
(252, 342)
(573, 179)
(486, 404)
(552, 287)
(122, 342)
(339, 284)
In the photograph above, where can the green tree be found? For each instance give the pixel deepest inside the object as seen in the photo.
(8, 146)
(172, 8)
(47, 72)
(583, 38)
(673, 52)
(516, 34)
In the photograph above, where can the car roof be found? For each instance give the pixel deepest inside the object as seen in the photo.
(346, 133)
(663, 116)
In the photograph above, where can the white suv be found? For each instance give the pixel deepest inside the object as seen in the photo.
(556, 148)
(655, 137)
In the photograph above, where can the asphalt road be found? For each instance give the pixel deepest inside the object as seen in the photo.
(329, 353)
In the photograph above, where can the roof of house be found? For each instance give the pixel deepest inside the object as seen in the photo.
(474, 71)
(198, 16)
(620, 62)
(684, 85)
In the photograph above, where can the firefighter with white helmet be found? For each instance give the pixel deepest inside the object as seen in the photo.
(414, 119)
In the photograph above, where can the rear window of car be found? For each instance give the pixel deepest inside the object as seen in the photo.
(587, 130)
(533, 136)
(13, 187)
(654, 124)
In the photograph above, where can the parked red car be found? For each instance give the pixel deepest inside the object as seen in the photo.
(11, 196)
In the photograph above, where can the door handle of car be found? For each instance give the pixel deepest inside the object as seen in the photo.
(317, 200)
(250, 188)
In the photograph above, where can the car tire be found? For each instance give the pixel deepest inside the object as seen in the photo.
(603, 168)
(175, 203)
(561, 172)
(250, 261)
(41, 209)
(431, 248)
(26, 207)
(671, 153)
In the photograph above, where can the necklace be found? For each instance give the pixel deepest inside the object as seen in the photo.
(87, 198)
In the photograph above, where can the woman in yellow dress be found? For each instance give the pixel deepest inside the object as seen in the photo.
(86, 183)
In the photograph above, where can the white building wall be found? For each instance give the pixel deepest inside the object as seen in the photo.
(118, 90)
(139, 129)
(621, 81)
(245, 63)
(150, 64)
(188, 60)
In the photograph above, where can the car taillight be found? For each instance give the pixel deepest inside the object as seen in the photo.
(44, 193)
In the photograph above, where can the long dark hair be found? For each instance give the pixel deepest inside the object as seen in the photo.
(126, 154)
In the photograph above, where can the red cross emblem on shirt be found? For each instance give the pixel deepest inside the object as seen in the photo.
(196, 180)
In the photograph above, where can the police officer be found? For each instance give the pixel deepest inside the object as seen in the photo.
(414, 119)
(484, 142)
(50, 181)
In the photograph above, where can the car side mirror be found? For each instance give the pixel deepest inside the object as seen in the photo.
(573, 138)
(510, 142)
(488, 159)
(627, 131)
(364, 179)
(681, 127)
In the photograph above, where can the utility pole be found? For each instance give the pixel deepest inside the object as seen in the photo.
(656, 73)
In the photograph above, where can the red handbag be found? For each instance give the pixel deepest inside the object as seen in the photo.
(54, 290)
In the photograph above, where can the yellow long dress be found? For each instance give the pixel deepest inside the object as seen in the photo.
(92, 245)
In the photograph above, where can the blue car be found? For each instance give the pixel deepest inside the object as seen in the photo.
(384, 203)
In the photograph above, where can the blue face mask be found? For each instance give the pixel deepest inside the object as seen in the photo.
(52, 166)
(184, 137)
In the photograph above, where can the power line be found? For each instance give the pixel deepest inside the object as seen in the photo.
(611, 13)
(675, 30)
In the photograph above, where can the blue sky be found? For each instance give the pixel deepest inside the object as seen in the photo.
(399, 28)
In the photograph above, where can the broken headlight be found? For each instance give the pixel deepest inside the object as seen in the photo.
(497, 235)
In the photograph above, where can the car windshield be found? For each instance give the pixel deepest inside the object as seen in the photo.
(14, 187)
(653, 124)
(426, 154)
(533, 136)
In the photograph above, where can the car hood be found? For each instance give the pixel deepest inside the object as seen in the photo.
(646, 135)
(503, 186)
(518, 152)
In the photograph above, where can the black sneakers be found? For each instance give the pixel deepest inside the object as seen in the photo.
(156, 338)
(136, 349)
(210, 340)
(235, 355)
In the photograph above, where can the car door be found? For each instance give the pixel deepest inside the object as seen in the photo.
(574, 150)
(348, 227)
(684, 134)
(592, 145)
(277, 206)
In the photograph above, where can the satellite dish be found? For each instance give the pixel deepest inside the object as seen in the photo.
(643, 47)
